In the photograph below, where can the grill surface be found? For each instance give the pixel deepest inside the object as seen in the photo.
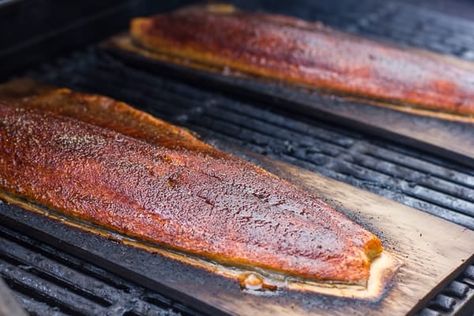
(47, 280)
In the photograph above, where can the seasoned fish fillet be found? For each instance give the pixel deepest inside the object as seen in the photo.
(311, 55)
(99, 160)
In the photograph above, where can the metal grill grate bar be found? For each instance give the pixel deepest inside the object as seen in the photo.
(48, 281)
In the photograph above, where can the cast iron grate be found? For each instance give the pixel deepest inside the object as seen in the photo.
(403, 174)
(451, 298)
(48, 281)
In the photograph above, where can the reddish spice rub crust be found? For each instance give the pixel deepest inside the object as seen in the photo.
(111, 114)
(296, 51)
(124, 175)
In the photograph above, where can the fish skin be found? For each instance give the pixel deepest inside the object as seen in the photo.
(311, 55)
(124, 173)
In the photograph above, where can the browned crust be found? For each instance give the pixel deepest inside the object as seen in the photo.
(311, 55)
(101, 111)
(124, 42)
(201, 202)
(382, 269)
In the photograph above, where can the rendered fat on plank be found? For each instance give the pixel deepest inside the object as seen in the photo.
(101, 161)
(311, 55)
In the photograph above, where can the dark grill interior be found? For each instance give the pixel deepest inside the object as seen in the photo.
(48, 280)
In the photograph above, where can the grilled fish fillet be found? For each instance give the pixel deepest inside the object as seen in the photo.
(311, 55)
(102, 161)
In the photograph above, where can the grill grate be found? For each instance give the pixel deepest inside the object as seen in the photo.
(49, 281)
(449, 301)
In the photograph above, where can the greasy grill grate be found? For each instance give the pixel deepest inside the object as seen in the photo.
(448, 301)
(48, 281)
